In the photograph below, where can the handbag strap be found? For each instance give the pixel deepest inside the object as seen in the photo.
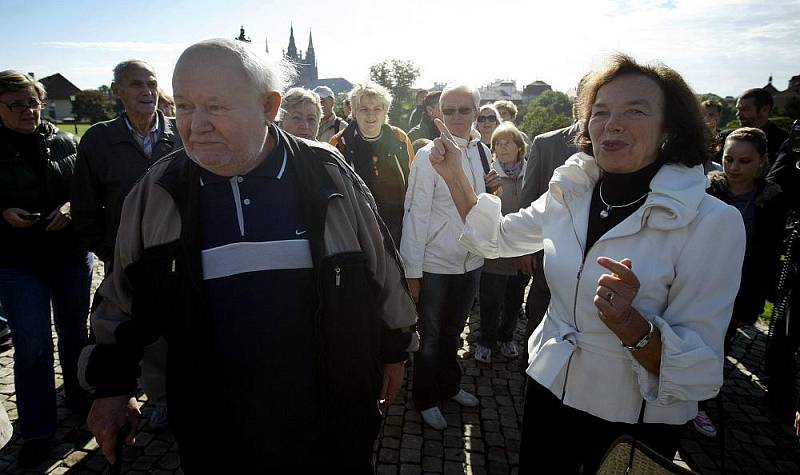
(633, 442)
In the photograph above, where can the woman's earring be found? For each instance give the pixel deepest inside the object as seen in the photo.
(664, 144)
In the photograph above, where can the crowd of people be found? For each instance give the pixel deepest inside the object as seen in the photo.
(304, 259)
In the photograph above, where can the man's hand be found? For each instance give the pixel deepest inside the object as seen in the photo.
(13, 216)
(107, 417)
(492, 182)
(414, 286)
(392, 380)
(527, 264)
(59, 218)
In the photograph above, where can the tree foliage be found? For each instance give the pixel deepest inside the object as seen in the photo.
(92, 105)
(550, 110)
(540, 119)
(555, 101)
(397, 75)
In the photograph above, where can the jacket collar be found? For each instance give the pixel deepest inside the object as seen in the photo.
(119, 132)
(474, 136)
(674, 200)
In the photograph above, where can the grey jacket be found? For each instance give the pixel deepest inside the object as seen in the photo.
(510, 198)
(548, 152)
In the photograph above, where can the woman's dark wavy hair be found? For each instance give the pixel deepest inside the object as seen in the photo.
(688, 140)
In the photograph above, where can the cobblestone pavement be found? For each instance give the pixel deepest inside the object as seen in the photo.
(484, 439)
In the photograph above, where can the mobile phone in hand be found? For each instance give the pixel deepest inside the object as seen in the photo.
(31, 216)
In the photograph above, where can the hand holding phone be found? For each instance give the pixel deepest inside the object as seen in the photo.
(20, 218)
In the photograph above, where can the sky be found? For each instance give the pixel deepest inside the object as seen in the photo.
(719, 46)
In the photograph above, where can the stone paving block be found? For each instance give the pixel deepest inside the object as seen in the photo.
(412, 428)
(432, 464)
(410, 455)
(386, 470)
(454, 454)
(433, 448)
(390, 442)
(494, 439)
(474, 445)
(389, 456)
(170, 461)
(407, 469)
(453, 468)
(411, 442)
(453, 441)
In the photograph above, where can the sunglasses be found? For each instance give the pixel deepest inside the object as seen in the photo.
(487, 118)
(461, 111)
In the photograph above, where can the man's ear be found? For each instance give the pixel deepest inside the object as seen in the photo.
(115, 89)
(272, 104)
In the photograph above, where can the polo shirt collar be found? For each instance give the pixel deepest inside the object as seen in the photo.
(273, 166)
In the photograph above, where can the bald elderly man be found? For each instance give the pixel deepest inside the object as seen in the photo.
(251, 251)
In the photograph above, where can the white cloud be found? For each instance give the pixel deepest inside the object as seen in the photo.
(136, 46)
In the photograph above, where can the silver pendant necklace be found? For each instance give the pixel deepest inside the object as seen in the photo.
(605, 212)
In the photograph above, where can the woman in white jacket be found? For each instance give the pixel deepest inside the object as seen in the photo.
(642, 288)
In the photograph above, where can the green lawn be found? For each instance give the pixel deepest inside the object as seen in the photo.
(70, 127)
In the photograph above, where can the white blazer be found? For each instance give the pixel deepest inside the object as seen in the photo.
(687, 249)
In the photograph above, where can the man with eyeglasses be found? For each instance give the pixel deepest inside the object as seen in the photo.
(442, 276)
(112, 156)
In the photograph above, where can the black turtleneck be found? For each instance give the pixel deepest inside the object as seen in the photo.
(618, 189)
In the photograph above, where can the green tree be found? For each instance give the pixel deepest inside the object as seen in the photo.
(397, 75)
(557, 102)
(539, 119)
(92, 105)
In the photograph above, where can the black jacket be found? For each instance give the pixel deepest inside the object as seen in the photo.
(36, 180)
(364, 317)
(109, 163)
(760, 266)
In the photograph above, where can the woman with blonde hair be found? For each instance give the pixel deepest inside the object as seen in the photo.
(380, 153)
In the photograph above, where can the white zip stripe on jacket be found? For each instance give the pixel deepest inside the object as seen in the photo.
(687, 250)
(431, 223)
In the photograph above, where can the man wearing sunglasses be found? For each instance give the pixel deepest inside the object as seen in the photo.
(442, 276)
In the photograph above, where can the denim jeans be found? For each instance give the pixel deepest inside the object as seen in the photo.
(445, 301)
(26, 295)
(501, 298)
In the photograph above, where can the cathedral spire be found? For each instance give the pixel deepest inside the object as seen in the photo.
(291, 51)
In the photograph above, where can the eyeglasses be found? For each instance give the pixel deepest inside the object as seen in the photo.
(461, 111)
(32, 104)
(485, 118)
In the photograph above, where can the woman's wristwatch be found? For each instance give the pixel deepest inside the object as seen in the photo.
(651, 330)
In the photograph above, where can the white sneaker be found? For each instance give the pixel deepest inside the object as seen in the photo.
(465, 399)
(509, 349)
(483, 353)
(434, 418)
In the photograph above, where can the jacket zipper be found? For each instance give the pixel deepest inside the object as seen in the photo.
(574, 299)
(338, 271)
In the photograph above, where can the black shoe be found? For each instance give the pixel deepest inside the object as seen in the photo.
(33, 452)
